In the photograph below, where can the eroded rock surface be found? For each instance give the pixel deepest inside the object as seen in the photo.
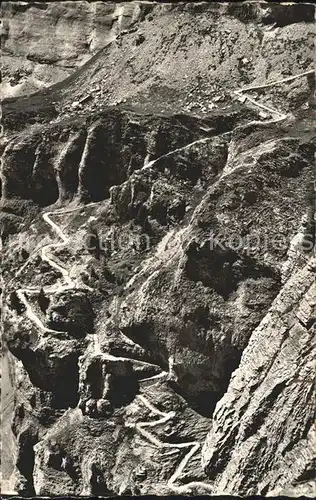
(43, 42)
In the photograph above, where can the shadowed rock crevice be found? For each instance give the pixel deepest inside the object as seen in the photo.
(66, 166)
(56, 372)
(25, 462)
(223, 269)
(105, 386)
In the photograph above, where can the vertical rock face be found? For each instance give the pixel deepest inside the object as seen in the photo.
(268, 412)
(157, 228)
(43, 42)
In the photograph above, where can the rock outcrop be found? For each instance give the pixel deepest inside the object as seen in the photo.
(72, 313)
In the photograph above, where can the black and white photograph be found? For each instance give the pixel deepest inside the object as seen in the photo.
(157, 223)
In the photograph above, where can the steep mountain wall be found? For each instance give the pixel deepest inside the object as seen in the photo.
(157, 227)
(44, 42)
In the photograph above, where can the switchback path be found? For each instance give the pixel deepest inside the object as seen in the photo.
(141, 427)
(278, 115)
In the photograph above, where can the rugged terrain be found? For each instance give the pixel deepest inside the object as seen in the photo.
(157, 225)
(43, 42)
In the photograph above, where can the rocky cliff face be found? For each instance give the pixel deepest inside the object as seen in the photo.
(271, 393)
(157, 222)
(43, 42)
